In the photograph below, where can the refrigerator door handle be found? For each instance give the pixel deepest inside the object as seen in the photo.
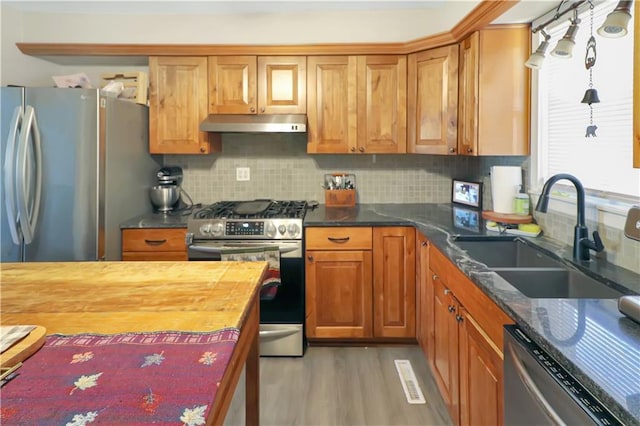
(28, 208)
(9, 171)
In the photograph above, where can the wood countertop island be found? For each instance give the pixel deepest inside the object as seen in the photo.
(119, 297)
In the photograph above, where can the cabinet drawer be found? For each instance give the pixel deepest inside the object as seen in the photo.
(339, 238)
(165, 239)
(154, 255)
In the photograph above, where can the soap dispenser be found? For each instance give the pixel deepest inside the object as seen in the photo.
(521, 202)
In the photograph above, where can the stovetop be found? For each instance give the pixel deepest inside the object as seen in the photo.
(249, 220)
(256, 209)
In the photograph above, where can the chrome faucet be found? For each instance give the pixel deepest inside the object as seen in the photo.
(581, 242)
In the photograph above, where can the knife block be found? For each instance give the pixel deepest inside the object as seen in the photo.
(340, 197)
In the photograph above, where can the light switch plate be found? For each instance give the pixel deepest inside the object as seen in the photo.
(243, 174)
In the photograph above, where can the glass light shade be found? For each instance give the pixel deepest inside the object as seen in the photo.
(564, 48)
(615, 25)
(535, 60)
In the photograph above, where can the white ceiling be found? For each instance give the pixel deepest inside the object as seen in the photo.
(524, 11)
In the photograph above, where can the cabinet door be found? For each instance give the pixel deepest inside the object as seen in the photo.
(331, 104)
(177, 105)
(481, 376)
(282, 84)
(424, 304)
(433, 101)
(493, 114)
(394, 290)
(444, 363)
(338, 294)
(468, 103)
(232, 84)
(382, 104)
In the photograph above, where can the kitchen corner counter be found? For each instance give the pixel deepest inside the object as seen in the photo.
(589, 337)
(158, 220)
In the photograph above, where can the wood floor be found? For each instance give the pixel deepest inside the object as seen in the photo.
(337, 386)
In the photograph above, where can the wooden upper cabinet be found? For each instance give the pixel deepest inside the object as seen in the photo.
(636, 87)
(282, 84)
(257, 84)
(331, 104)
(382, 104)
(232, 84)
(432, 98)
(493, 106)
(177, 105)
(356, 104)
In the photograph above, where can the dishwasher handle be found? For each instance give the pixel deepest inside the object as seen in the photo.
(532, 388)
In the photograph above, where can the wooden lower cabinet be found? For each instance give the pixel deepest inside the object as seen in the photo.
(338, 293)
(357, 293)
(424, 312)
(481, 388)
(154, 244)
(464, 343)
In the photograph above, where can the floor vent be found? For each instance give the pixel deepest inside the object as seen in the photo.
(409, 382)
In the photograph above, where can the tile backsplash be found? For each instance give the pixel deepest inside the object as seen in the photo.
(280, 168)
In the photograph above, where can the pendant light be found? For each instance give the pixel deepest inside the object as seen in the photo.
(537, 57)
(615, 25)
(564, 48)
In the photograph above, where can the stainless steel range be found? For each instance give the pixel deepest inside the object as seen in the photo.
(261, 230)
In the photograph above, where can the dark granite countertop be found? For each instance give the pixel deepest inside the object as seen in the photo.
(589, 337)
(158, 220)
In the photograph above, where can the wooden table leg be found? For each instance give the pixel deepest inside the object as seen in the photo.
(252, 374)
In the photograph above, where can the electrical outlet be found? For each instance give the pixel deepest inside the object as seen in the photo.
(243, 174)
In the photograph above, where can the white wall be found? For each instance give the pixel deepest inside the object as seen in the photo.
(20, 24)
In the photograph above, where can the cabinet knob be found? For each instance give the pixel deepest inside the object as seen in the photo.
(252, 109)
(469, 150)
(451, 308)
(423, 244)
(202, 149)
(452, 150)
(262, 109)
(361, 149)
(459, 318)
(435, 277)
(447, 291)
(310, 258)
(353, 149)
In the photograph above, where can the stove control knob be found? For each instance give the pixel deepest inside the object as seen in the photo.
(206, 229)
(270, 230)
(282, 229)
(293, 229)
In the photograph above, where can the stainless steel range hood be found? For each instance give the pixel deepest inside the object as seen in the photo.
(256, 123)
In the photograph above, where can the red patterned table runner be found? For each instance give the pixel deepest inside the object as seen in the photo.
(130, 378)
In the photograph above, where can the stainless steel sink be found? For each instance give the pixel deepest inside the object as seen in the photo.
(501, 253)
(558, 283)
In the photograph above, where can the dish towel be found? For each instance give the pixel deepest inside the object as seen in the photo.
(271, 254)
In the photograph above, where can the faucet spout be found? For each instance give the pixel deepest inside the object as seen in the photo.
(581, 242)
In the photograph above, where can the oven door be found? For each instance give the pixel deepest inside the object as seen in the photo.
(281, 317)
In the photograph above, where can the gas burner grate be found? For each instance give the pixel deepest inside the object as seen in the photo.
(256, 209)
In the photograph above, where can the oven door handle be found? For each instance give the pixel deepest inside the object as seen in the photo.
(218, 249)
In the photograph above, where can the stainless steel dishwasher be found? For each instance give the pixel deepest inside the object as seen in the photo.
(538, 391)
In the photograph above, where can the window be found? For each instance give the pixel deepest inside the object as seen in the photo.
(602, 163)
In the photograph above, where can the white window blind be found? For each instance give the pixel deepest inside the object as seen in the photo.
(604, 162)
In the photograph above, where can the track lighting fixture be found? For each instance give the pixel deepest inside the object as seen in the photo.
(615, 25)
(564, 48)
(537, 57)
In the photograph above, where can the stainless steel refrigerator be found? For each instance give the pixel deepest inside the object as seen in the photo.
(74, 166)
